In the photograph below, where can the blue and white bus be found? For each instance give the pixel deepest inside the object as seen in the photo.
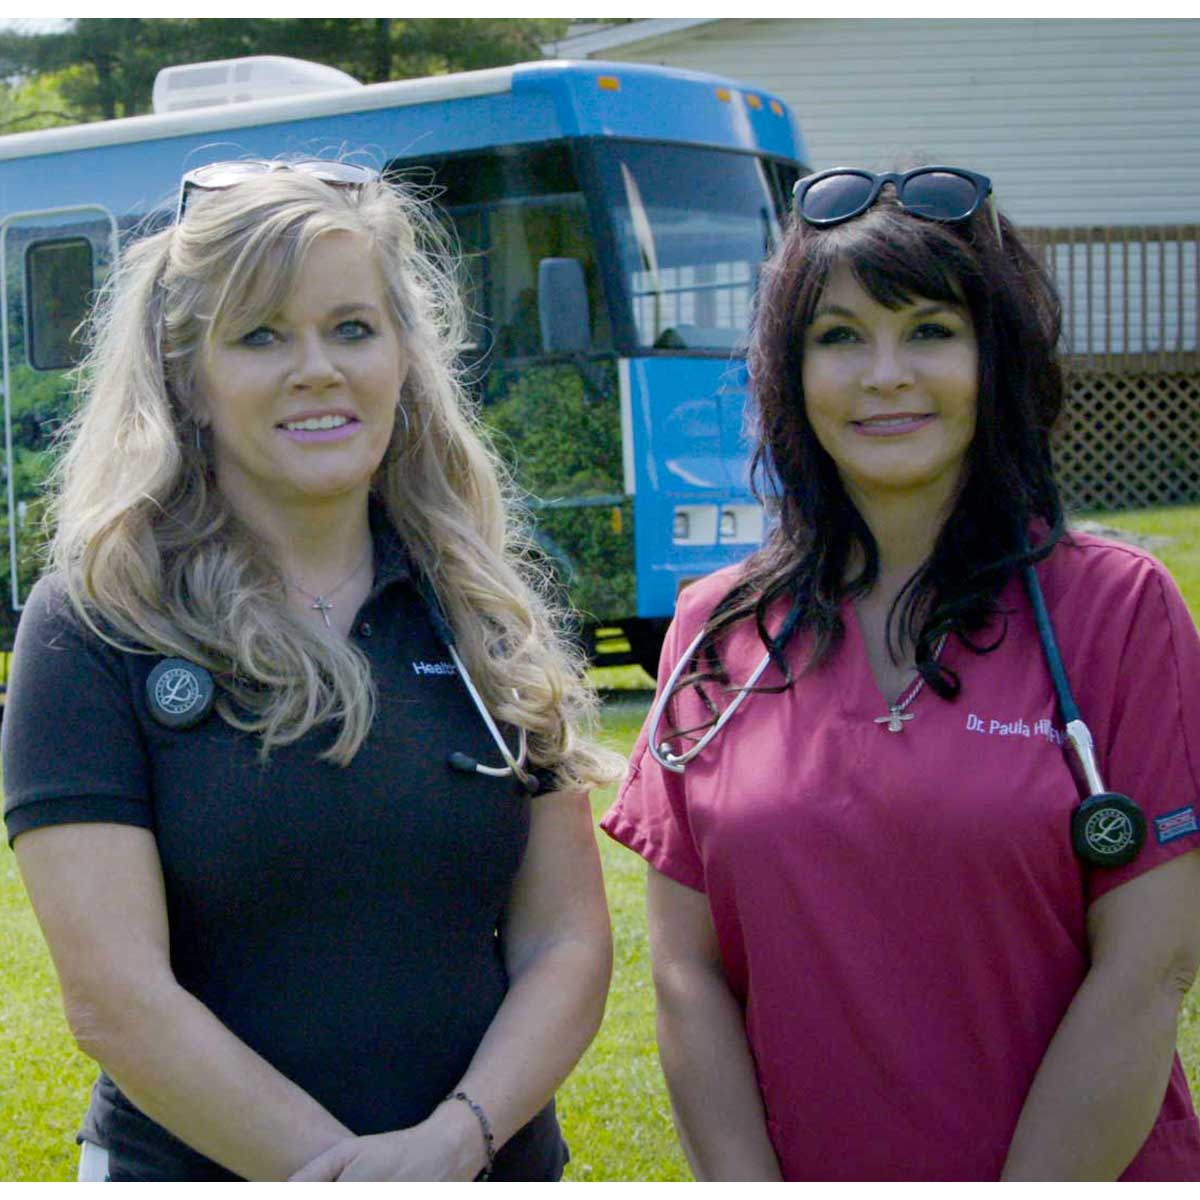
(613, 218)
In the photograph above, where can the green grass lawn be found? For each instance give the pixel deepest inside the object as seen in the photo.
(614, 1108)
(44, 1079)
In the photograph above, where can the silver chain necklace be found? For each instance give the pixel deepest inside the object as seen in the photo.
(321, 603)
(896, 716)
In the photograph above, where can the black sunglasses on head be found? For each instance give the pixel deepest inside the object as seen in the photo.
(214, 177)
(933, 193)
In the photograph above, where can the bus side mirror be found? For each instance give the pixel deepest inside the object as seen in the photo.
(563, 306)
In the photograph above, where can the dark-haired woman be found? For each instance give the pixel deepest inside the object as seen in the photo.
(877, 952)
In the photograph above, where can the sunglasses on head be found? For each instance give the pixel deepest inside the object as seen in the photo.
(214, 177)
(933, 193)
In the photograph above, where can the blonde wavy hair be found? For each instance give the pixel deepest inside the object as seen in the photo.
(155, 561)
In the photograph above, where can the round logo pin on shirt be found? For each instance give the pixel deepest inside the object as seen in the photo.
(180, 694)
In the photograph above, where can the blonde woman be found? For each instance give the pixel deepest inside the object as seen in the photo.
(292, 763)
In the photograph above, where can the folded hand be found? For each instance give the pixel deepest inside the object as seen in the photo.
(442, 1148)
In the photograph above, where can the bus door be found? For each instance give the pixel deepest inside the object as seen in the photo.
(690, 226)
(51, 263)
(555, 417)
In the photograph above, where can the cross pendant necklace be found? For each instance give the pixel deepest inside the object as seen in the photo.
(321, 602)
(896, 716)
(895, 719)
(322, 606)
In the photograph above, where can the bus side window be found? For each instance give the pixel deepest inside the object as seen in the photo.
(59, 278)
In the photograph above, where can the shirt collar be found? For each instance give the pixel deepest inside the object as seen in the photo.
(393, 563)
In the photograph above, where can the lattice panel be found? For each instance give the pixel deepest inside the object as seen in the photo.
(1129, 441)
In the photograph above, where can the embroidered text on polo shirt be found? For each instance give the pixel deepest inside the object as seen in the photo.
(1019, 727)
(434, 668)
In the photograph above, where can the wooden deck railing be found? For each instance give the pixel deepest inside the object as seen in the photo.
(1129, 295)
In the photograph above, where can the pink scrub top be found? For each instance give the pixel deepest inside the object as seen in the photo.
(901, 915)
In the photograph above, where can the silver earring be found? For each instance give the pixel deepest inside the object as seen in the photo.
(199, 442)
(404, 417)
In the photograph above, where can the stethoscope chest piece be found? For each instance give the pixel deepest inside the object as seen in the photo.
(180, 694)
(1107, 830)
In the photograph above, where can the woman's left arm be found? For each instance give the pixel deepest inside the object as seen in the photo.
(558, 951)
(1101, 1083)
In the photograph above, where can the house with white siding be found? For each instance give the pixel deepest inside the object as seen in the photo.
(1089, 131)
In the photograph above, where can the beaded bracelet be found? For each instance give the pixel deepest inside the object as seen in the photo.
(489, 1142)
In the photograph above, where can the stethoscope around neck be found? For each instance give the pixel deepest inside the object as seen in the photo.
(1107, 828)
(180, 694)
(514, 763)
(661, 751)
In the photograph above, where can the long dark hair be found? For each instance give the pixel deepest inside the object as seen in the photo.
(1009, 480)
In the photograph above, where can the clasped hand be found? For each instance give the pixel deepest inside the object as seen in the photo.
(441, 1149)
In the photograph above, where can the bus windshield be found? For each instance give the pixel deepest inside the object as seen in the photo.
(512, 206)
(691, 227)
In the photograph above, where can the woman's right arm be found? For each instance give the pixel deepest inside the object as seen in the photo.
(702, 1044)
(98, 894)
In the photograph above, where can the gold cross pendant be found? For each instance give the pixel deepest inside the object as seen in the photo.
(895, 720)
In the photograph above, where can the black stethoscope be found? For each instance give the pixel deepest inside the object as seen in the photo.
(180, 694)
(1107, 828)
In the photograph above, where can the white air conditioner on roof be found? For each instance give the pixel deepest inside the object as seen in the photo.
(239, 80)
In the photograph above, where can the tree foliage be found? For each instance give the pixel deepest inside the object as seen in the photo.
(562, 442)
(36, 104)
(104, 67)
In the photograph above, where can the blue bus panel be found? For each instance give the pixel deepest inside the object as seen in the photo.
(667, 187)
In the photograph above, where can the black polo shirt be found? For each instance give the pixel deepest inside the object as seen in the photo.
(340, 920)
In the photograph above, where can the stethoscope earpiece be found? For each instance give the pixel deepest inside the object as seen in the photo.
(1107, 830)
(458, 761)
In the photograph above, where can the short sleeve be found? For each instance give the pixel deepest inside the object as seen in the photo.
(650, 814)
(72, 745)
(1149, 749)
